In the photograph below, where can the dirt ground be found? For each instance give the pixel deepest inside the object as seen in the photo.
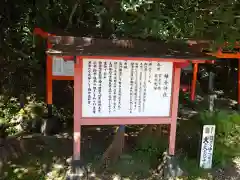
(41, 154)
(46, 155)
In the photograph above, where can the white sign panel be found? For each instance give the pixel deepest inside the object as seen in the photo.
(207, 146)
(120, 88)
(61, 67)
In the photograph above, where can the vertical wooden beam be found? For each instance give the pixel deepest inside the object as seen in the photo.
(175, 95)
(49, 82)
(77, 108)
(194, 81)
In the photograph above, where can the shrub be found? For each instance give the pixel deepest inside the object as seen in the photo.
(227, 135)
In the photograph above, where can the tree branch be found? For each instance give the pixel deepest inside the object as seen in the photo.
(19, 52)
(71, 15)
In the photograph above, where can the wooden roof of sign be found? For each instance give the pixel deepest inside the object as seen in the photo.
(88, 46)
(225, 51)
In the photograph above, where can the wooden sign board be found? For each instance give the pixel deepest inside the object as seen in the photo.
(60, 67)
(126, 88)
(207, 146)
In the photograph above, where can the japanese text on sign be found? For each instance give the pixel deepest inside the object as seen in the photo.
(61, 67)
(207, 146)
(120, 88)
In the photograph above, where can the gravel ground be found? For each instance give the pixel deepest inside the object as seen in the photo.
(231, 172)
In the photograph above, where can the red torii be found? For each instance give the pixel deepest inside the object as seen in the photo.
(204, 44)
(45, 35)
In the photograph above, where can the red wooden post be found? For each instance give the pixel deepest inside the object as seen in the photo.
(194, 81)
(77, 108)
(43, 34)
(49, 81)
(175, 94)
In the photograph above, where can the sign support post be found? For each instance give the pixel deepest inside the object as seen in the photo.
(77, 108)
(173, 126)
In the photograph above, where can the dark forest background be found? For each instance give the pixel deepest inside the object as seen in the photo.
(23, 66)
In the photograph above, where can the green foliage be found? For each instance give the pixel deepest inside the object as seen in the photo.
(148, 150)
(133, 165)
(226, 146)
(8, 109)
(43, 160)
(227, 134)
(163, 19)
(152, 145)
(192, 169)
(145, 156)
(22, 59)
(17, 119)
(181, 19)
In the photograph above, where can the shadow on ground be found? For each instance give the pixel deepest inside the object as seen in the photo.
(44, 157)
(44, 154)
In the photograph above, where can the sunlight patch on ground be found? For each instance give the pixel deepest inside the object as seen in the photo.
(236, 162)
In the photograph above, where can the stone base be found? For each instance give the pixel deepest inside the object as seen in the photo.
(171, 167)
(73, 177)
(76, 172)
